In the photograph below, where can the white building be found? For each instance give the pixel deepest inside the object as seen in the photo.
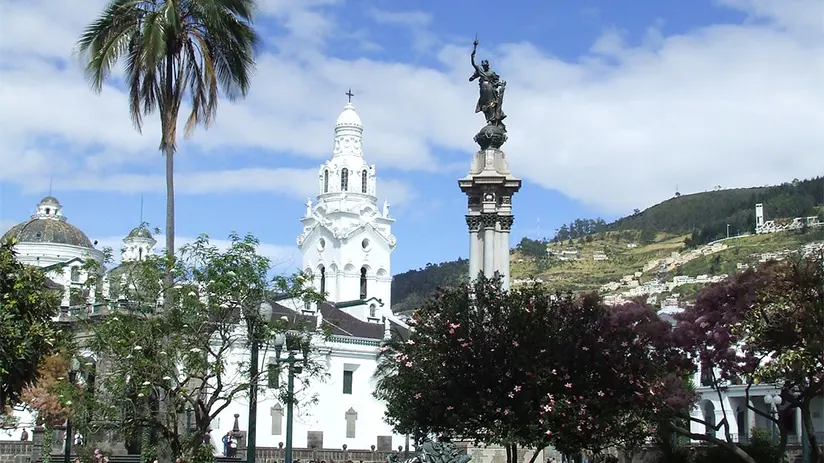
(731, 403)
(346, 243)
(49, 241)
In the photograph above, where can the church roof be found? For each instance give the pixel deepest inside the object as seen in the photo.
(40, 230)
(349, 117)
(48, 225)
(140, 232)
(340, 322)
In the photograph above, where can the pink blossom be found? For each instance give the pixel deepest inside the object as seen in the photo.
(408, 364)
(418, 395)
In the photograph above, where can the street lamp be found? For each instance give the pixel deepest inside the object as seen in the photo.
(74, 367)
(773, 399)
(294, 367)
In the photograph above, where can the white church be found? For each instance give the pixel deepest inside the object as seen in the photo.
(346, 244)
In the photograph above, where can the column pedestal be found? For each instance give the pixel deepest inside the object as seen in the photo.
(489, 188)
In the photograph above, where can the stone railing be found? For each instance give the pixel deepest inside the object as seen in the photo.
(276, 455)
(15, 451)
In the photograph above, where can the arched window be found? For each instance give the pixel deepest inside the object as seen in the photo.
(75, 275)
(372, 311)
(363, 182)
(363, 283)
(323, 282)
(326, 181)
(344, 179)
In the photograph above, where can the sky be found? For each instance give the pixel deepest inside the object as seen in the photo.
(611, 106)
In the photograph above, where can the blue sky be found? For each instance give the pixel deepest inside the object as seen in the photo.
(610, 107)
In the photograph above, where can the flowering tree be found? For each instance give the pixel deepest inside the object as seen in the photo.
(762, 326)
(168, 366)
(531, 369)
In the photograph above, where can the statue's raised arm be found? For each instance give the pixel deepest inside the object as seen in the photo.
(477, 68)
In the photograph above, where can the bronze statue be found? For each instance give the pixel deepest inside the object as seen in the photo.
(492, 88)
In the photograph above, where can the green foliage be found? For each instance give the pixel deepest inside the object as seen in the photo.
(579, 228)
(412, 288)
(530, 368)
(48, 439)
(532, 248)
(165, 359)
(27, 332)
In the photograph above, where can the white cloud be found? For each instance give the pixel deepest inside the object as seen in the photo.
(735, 104)
(295, 183)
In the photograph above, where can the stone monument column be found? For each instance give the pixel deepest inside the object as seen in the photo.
(488, 221)
(502, 238)
(474, 224)
(489, 186)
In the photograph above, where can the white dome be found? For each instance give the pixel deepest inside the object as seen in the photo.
(349, 117)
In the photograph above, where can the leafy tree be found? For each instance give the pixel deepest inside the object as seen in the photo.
(762, 325)
(532, 248)
(27, 333)
(531, 369)
(171, 49)
(159, 363)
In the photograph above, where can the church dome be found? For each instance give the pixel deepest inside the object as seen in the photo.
(48, 225)
(140, 232)
(349, 117)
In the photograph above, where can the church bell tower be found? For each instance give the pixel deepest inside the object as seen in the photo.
(347, 240)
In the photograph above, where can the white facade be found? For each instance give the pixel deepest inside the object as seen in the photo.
(730, 403)
(346, 244)
(343, 416)
(47, 240)
(347, 241)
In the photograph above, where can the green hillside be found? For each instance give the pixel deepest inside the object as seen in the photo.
(705, 215)
(628, 244)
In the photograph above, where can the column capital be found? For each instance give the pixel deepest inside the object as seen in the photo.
(506, 222)
(488, 220)
(473, 222)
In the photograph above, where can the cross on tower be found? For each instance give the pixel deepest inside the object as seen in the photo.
(349, 94)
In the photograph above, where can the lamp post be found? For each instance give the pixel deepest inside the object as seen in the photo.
(251, 442)
(74, 367)
(773, 399)
(294, 367)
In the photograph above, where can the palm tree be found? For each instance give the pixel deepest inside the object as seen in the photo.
(172, 49)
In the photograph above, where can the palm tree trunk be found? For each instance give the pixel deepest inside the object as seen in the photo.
(170, 211)
(168, 146)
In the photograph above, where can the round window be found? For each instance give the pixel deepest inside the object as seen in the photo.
(365, 243)
(321, 244)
